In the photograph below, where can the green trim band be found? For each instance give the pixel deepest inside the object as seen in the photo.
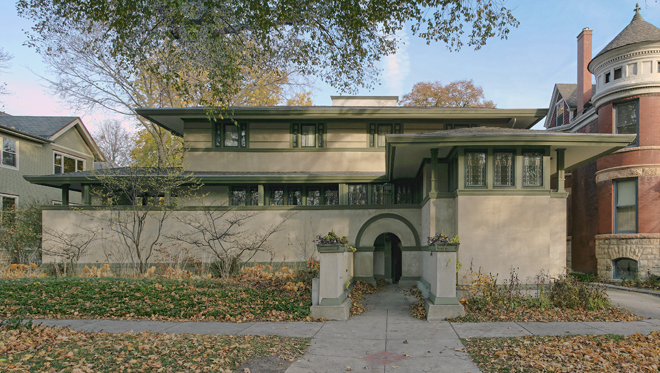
(425, 283)
(441, 247)
(374, 219)
(284, 150)
(443, 301)
(325, 249)
(410, 278)
(233, 208)
(334, 301)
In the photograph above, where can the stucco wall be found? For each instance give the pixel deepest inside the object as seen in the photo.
(287, 161)
(301, 226)
(499, 233)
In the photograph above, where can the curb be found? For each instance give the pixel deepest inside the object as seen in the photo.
(644, 291)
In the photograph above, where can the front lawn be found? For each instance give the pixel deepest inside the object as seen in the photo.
(64, 350)
(155, 298)
(601, 353)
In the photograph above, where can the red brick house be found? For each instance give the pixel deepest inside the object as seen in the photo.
(614, 207)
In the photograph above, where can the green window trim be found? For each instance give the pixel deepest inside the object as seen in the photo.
(244, 195)
(307, 135)
(476, 168)
(376, 133)
(504, 168)
(222, 131)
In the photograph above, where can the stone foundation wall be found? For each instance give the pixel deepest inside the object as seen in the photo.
(642, 247)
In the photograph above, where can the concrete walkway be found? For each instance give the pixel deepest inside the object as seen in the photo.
(645, 305)
(384, 339)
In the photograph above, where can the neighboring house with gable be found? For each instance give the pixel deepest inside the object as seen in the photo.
(42, 145)
(614, 207)
(387, 177)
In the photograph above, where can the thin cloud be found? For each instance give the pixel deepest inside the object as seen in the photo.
(397, 66)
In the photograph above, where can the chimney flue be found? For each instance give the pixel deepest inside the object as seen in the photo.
(584, 90)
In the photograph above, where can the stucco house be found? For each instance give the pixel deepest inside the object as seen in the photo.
(387, 177)
(614, 207)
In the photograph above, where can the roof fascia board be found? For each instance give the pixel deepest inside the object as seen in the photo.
(87, 137)
(543, 138)
(24, 135)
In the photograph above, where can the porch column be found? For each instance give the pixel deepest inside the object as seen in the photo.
(65, 194)
(86, 195)
(561, 178)
(434, 174)
(260, 191)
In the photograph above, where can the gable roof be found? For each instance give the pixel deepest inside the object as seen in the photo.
(569, 93)
(637, 31)
(47, 129)
(44, 127)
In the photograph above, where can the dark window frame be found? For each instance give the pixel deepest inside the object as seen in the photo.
(219, 135)
(618, 276)
(14, 153)
(485, 168)
(295, 135)
(608, 77)
(618, 73)
(372, 132)
(523, 153)
(615, 186)
(513, 153)
(616, 118)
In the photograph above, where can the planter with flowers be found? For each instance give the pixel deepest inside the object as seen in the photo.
(330, 292)
(438, 281)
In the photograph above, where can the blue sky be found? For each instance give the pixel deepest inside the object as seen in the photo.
(515, 73)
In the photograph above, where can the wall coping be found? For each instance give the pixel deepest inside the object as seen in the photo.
(627, 236)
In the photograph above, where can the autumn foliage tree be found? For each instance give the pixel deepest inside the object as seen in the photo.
(460, 93)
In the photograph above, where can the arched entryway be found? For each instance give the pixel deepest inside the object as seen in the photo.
(387, 257)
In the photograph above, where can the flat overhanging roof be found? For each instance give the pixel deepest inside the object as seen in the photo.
(406, 152)
(173, 119)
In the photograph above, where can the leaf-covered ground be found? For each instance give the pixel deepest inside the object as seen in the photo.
(526, 313)
(156, 299)
(360, 289)
(603, 353)
(64, 350)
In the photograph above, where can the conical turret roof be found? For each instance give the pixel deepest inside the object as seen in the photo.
(636, 32)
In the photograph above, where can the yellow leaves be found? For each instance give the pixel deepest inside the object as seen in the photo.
(16, 271)
(93, 271)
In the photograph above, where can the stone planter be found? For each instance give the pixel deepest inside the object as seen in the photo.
(335, 276)
(438, 282)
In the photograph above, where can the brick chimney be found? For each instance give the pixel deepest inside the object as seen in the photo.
(583, 75)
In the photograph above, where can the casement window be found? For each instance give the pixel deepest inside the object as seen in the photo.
(332, 196)
(64, 163)
(560, 113)
(624, 267)
(295, 197)
(319, 195)
(504, 170)
(7, 206)
(475, 169)
(9, 153)
(532, 169)
(608, 77)
(231, 135)
(307, 135)
(244, 196)
(625, 206)
(357, 194)
(378, 131)
(627, 118)
(617, 73)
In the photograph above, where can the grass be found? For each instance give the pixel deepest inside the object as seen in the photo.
(64, 350)
(154, 298)
(601, 353)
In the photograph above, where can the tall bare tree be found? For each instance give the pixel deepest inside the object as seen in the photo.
(115, 142)
(5, 64)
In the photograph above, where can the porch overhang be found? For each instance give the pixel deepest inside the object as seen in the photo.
(405, 153)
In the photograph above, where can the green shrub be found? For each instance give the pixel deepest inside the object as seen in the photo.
(217, 268)
(583, 277)
(568, 292)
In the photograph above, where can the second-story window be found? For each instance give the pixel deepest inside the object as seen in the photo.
(307, 135)
(503, 169)
(8, 155)
(379, 131)
(475, 169)
(231, 135)
(64, 163)
(560, 113)
(627, 120)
